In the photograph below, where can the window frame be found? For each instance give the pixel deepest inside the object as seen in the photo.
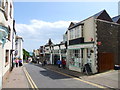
(7, 57)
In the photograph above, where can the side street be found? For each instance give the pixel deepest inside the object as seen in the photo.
(88, 56)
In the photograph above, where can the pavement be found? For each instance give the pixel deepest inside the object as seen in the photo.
(17, 78)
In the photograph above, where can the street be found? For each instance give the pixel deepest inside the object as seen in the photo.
(44, 78)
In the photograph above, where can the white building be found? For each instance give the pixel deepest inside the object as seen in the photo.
(19, 47)
(6, 38)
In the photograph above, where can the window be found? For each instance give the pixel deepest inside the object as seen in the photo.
(76, 32)
(82, 31)
(75, 58)
(10, 11)
(72, 34)
(9, 34)
(6, 8)
(0, 3)
(7, 56)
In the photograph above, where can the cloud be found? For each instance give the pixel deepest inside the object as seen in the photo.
(39, 31)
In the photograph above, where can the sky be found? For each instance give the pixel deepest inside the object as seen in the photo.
(36, 22)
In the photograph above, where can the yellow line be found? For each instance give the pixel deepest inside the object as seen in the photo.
(31, 80)
(28, 79)
(33, 85)
(99, 86)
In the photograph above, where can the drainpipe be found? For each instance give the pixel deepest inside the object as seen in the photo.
(12, 51)
(60, 53)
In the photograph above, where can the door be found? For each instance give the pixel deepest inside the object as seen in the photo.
(105, 61)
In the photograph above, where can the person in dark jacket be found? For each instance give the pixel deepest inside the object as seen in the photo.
(20, 62)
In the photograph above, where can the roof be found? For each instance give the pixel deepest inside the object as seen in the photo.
(77, 24)
(103, 15)
(98, 14)
(116, 19)
(72, 24)
(18, 37)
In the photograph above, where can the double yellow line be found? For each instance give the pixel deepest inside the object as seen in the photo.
(31, 82)
(34, 87)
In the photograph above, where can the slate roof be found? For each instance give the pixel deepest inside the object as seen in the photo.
(98, 14)
(103, 15)
(116, 18)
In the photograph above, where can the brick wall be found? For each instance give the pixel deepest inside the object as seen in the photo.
(107, 34)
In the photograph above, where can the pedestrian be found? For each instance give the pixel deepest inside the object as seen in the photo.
(63, 63)
(44, 62)
(59, 63)
(20, 62)
(16, 62)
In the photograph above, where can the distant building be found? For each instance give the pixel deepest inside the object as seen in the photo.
(119, 8)
(19, 47)
(36, 55)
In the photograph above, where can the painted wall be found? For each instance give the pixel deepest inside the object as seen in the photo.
(88, 29)
(8, 44)
(1, 66)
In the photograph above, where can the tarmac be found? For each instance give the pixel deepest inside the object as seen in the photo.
(110, 79)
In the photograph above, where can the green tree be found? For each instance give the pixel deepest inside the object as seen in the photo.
(26, 54)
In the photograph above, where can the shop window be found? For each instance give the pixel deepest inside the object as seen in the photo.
(74, 57)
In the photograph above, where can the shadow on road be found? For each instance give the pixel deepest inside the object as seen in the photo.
(53, 75)
(49, 73)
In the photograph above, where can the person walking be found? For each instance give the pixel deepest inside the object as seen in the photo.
(63, 64)
(20, 62)
(44, 62)
(16, 62)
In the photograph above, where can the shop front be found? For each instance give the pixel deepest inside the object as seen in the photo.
(80, 55)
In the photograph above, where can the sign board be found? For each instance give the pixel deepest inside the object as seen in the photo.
(80, 46)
